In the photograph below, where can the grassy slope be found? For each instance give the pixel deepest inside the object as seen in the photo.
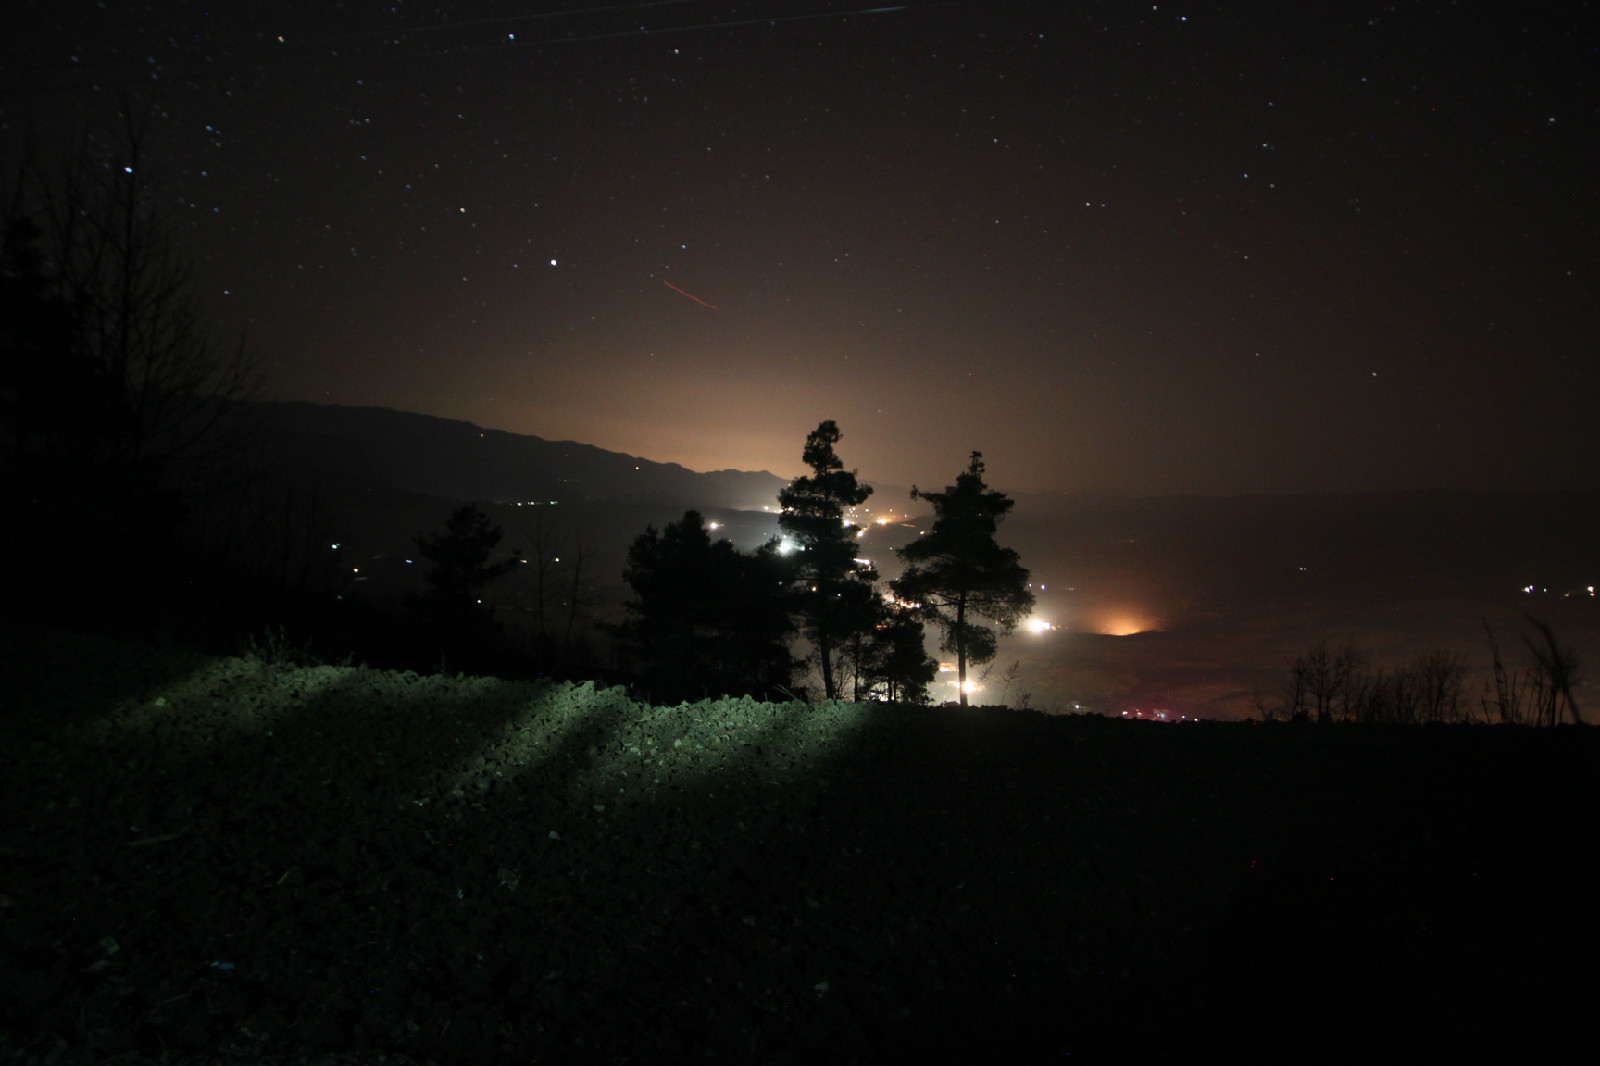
(226, 857)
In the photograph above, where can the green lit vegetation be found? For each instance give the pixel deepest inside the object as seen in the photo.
(264, 858)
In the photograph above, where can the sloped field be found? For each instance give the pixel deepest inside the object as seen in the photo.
(230, 860)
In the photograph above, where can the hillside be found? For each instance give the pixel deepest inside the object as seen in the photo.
(458, 460)
(248, 860)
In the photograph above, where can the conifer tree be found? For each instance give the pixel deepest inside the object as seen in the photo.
(957, 573)
(461, 569)
(813, 514)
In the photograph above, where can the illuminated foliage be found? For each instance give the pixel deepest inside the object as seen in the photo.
(958, 573)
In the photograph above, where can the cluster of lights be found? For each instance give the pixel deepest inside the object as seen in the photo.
(1155, 716)
(969, 687)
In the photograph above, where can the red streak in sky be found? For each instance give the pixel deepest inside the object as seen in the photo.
(690, 295)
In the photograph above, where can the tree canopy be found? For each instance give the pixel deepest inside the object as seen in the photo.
(708, 620)
(896, 666)
(461, 568)
(957, 572)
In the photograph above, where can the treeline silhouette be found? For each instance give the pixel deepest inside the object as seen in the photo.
(142, 502)
(708, 619)
(120, 458)
(1327, 685)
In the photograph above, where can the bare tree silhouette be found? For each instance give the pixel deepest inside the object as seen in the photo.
(119, 403)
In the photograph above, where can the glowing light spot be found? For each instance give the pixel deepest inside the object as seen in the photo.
(1124, 623)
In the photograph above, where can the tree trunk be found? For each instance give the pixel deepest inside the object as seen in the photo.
(825, 649)
(961, 650)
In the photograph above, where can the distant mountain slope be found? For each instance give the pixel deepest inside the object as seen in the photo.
(459, 460)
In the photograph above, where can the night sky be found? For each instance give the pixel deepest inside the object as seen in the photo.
(1212, 248)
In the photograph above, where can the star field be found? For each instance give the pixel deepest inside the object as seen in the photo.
(1149, 248)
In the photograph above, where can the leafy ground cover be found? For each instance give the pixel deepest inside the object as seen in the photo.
(242, 860)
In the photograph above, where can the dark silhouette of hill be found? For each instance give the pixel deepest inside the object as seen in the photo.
(458, 460)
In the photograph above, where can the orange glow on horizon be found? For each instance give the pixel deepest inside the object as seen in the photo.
(1125, 623)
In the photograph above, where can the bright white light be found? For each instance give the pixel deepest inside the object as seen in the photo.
(970, 687)
(1039, 625)
(552, 262)
(787, 547)
(713, 525)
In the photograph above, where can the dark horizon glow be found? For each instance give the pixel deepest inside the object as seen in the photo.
(1219, 248)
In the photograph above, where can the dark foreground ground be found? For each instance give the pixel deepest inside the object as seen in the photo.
(236, 861)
